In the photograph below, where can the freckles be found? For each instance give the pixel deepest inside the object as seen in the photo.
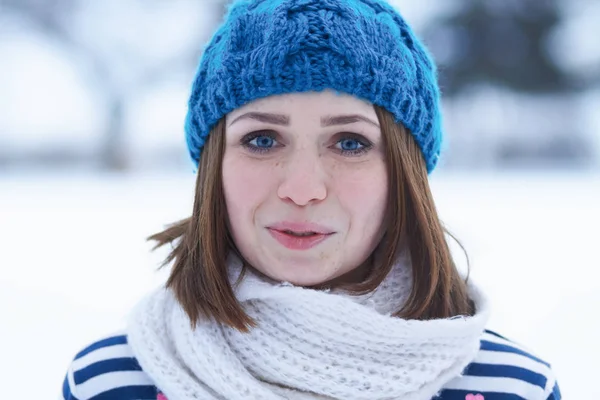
(332, 168)
(328, 255)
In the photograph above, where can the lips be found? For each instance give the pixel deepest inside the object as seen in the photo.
(299, 236)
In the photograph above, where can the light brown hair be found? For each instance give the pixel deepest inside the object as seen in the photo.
(202, 242)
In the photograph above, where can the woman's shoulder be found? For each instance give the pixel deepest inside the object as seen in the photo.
(107, 369)
(501, 370)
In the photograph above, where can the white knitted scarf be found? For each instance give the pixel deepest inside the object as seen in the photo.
(308, 344)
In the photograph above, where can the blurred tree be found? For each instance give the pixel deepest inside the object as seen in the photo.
(56, 19)
(501, 57)
(503, 42)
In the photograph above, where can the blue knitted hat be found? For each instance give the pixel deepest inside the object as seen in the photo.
(360, 47)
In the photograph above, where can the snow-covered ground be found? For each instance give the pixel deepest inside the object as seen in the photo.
(73, 261)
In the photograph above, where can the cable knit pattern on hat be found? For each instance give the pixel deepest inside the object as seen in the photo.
(308, 344)
(360, 47)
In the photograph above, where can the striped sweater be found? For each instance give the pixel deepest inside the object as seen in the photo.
(502, 370)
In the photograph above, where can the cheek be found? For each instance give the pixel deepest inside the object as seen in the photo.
(245, 186)
(363, 194)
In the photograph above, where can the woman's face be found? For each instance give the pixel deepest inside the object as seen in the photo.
(305, 184)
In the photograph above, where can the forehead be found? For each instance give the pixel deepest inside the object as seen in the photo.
(305, 105)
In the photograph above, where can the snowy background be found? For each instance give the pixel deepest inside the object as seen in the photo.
(92, 161)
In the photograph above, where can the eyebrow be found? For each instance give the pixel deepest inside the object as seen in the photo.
(332, 120)
(284, 120)
(276, 119)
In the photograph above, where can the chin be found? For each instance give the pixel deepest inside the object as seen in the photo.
(302, 274)
(307, 281)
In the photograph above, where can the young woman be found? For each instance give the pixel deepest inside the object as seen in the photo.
(314, 264)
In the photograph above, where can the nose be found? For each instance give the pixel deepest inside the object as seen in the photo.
(304, 179)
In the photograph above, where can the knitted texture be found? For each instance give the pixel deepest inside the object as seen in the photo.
(359, 47)
(308, 344)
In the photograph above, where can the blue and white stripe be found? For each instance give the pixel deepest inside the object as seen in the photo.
(107, 369)
(502, 370)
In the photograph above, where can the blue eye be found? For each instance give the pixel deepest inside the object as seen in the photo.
(352, 146)
(260, 142)
(263, 142)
